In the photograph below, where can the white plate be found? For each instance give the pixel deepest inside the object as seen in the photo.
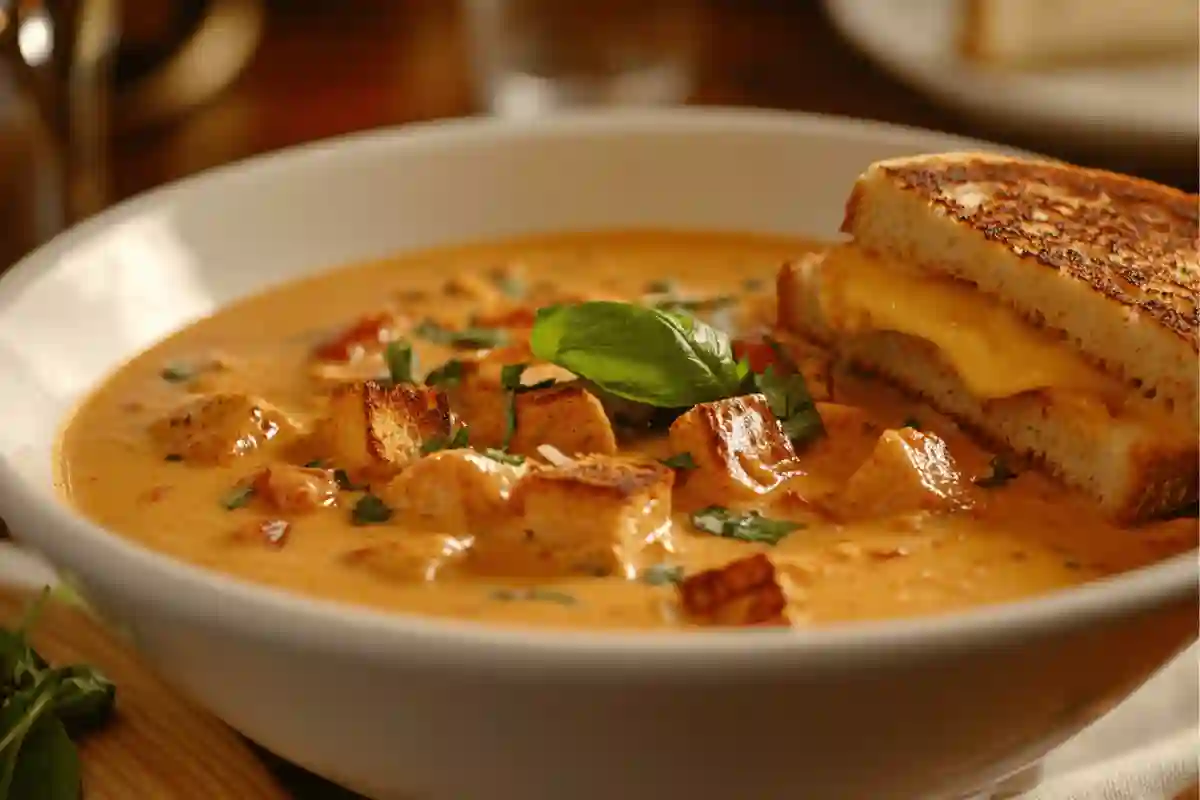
(1153, 109)
(400, 706)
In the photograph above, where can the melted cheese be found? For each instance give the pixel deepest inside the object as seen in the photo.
(993, 350)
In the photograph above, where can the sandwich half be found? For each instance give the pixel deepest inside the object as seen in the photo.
(1050, 308)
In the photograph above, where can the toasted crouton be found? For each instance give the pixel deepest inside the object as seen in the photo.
(595, 515)
(455, 491)
(219, 428)
(907, 471)
(743, 592)
(565, 416)
(377, 428)
(738, 446)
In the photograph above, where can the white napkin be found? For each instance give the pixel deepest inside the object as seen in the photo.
(1148, 748)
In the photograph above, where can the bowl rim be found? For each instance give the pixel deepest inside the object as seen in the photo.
(207, 596)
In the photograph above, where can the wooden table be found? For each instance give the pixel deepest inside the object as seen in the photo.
(327, 68)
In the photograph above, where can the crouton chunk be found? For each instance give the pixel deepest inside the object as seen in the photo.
(908, 471)
(217, 429)
(565, 415)
(454, 491)
(378, 429)
(295, 490)
(743, 592)
(738, 446)
(597, 515)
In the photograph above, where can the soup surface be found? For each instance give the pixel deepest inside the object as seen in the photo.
(238, 444)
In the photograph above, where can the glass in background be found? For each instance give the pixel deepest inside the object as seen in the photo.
(535, 56)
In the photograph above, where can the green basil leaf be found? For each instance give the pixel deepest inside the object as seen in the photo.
(503, 457)
(47, 764)
(792, 405)
(456, 441)
(85, 698)
(467, 338)
(400, 361)
(746, 526)
(18, 717)
(370, 510)
(642, 354)
(238, 497)
(447, 376)
(680, 461)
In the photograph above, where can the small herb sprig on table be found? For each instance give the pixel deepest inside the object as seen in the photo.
(43, 708)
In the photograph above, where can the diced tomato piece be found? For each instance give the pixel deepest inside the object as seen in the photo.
(520, 317)
(368, 334)
(761, 353)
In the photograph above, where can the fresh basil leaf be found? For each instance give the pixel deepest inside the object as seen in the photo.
(370, 510)
(85, 698)
(238, 497)
(1001, 474)
(447, 376)
(680, 461)
(791, 403)
(746, 526)
(400, 361)
(661, 574)
(467, 338)
(642, 354)
(47, 764)
(18, 717)
(503, 457)
(459, 439)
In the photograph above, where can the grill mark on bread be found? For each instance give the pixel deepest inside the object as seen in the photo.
(1131, 240)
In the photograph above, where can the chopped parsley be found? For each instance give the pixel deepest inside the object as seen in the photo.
(177, 372)
(1001, 474)
(510, 285)
(172, 457)
(510, 381)
(680, 461)
(447, 376)
(342, 479)
(535, 593)
(467, 338)
(503, 457)
(400, 361)
(748, 526)
(456, 441)
(370, 510)
(661, 574)
(238, 497)
(318, 463)
(912, 422)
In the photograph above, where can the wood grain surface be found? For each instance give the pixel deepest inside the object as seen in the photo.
(159, 745)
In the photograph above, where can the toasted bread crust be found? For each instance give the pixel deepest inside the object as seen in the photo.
(1130, 240)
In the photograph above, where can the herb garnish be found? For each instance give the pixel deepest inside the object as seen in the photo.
(172, 457)
(679, 461)
(792, 405)
(177, 372)
(238, 496)
(467, 338)
(643, 354)
(1001, 474)
(510, 381)
(342, 479)
(911, 422)
(317, 463)
(42, 708)
(503, 457)
(370, 510)
(400, 361)
(660, 286)
(535, 593)
(456, 441)
(661, 574)
(748, 527)
(510, 285)
(447, 376)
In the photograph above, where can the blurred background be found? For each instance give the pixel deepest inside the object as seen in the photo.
(102, 99)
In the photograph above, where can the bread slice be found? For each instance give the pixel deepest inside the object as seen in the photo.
(1021, 33)
(1105, 261)
(1132, 465)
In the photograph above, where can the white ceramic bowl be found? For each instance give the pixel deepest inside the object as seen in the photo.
(402, 707)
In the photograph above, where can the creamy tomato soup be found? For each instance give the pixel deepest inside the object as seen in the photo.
(371, 436)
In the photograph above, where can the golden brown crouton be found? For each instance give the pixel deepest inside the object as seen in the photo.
(219, 428)
(907, 471)
(377, 428)
(738, 446)
(594, 515)
(565, 415)
(295, 490)
(455, 491)
(743, 592)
